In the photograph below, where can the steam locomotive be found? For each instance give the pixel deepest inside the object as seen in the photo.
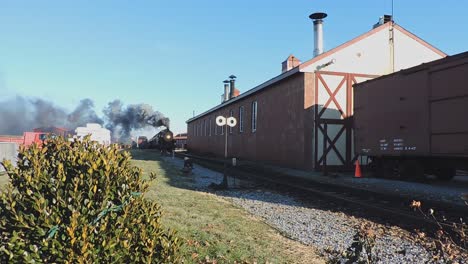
(164, 141)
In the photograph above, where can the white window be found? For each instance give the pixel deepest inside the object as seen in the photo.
(216, 129)
(209, 133)
(241, 119)
(254, 116)
(231, 114)
(206, 127)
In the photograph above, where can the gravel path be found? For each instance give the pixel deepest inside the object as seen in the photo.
(328, 231)
(449, 192)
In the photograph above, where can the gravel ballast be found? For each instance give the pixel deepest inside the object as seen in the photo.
(331, 232)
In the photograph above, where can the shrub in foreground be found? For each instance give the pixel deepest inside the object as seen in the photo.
(80, 202)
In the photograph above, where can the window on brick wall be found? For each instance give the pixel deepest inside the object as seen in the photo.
(231, 114)
(206, 127)
(216, 129)
(241, 119)
(254, 116)
(210, 121)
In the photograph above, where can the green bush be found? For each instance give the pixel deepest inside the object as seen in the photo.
(80, 202)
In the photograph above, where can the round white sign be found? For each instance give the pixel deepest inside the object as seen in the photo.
(220, 121)
(231, 121)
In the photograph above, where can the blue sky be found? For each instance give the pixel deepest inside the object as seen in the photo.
(174, 55)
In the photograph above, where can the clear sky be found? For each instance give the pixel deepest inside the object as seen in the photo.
(175, 54)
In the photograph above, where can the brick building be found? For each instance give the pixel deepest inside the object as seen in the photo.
(303, 117)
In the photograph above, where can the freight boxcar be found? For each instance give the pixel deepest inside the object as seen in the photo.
(415, 121)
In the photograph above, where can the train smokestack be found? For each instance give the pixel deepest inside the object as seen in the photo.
(318, 32)
(232, 81)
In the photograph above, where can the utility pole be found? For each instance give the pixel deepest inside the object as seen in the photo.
(225, 122)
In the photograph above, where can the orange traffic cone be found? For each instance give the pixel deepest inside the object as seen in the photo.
(357, 171)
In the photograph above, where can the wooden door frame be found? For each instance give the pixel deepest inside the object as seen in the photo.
(346, 119)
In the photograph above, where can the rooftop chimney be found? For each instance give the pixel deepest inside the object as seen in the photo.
(232, 81)
(290, 63)
(382, 20)
(318, 32)
(226, 91)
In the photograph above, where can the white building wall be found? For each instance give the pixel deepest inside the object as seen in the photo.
(409, 52)
(371, 55)
(8, 151)
(97, 133)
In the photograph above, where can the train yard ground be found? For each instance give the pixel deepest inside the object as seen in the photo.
(447, 193)
(330, 223)
(253, 222)
(213, 229)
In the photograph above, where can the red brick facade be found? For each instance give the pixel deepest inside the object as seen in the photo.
(281, 137)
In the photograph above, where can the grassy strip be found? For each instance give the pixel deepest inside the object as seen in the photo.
(213, 229)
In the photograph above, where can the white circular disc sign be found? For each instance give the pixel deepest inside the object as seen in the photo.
(231, 121)
(220, 121)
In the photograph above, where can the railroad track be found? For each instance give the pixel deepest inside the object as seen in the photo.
(393, 209)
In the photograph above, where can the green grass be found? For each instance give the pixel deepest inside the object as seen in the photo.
(210, 227)
(213, 228)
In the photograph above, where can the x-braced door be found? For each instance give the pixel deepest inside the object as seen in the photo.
(333, 119)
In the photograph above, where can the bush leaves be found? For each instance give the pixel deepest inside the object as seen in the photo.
(79, 202)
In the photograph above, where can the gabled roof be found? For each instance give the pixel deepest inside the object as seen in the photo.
(370, 33)
(317, 58)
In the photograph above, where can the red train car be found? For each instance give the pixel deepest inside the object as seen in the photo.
(27, 139)
(414, 121)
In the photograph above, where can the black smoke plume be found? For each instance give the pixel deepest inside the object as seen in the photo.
(83, 113)
(20, 114)
(122, 120)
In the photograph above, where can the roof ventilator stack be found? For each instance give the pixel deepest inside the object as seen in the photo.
(318, 32)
